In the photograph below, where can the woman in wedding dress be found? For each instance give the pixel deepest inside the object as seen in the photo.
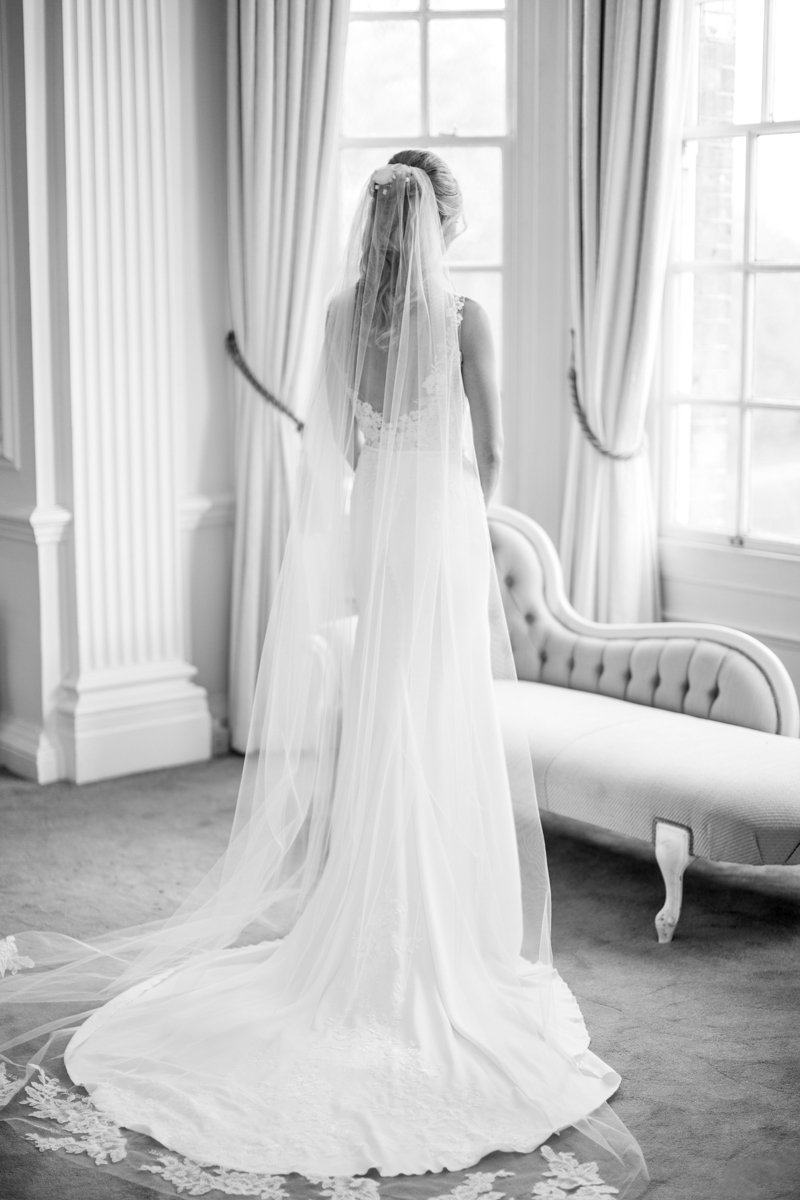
(346, 992)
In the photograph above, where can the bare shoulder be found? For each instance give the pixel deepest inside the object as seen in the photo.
(475, 328)
(476, 333)
(340, 304)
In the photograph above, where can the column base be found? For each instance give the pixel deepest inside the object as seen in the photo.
(127, 721)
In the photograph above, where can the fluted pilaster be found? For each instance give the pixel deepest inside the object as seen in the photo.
(129, 702)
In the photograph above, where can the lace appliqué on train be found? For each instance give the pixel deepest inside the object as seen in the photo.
(194, 1180)
(11, 961)
(95, 1134)
(343, 1188)
(477, 1186)
(91, 1132)
(571, 1180)
(8, 1086)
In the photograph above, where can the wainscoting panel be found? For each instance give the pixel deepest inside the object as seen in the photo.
(755, 591)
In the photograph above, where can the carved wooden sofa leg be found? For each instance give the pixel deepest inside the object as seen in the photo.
(673, 855)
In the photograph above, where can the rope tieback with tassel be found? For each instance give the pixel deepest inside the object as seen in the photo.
(583, 420)
(235, 354)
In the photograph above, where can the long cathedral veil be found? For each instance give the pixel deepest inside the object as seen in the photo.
(376, 774)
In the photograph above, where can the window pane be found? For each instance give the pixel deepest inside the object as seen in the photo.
(712, 200)
(382, 80)
(468, 77)
(372, 6)
(775, 473)
(708, 316)
(786, 78)
(479, 171)
(776, 354)
(778, 198)
(729, 60)
(706, 466)
(486, 288)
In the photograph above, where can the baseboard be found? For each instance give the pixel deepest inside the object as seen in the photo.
(124, 729)
(27, 751)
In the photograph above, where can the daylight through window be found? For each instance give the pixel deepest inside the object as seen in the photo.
(732, 329)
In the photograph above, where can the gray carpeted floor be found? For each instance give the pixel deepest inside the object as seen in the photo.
(704, 1032)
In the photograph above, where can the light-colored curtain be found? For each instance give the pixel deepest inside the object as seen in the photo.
(627, 80)
(285, 67)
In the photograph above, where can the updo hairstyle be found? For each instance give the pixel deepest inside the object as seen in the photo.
(449, 200)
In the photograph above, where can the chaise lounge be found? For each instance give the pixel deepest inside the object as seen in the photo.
(682, 734)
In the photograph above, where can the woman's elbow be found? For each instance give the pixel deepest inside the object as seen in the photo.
(493, 454)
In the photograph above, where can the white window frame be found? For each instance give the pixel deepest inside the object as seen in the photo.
(749, 269)
(440, 143)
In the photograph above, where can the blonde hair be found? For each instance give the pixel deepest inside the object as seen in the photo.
(449, 200)
(449, 204)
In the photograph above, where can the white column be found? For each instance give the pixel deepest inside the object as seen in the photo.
(127, 701)
(130, 703)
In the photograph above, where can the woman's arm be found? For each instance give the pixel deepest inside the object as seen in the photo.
(342, 416)
(480, 384)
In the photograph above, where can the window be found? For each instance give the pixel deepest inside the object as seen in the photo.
(434, 73)
(731, 346)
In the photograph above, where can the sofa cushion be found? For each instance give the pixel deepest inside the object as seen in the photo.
(623, 766)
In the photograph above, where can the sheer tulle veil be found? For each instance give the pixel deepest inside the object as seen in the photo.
(376, 775)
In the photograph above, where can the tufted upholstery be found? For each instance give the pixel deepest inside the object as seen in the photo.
(610, 714)
(702, 671)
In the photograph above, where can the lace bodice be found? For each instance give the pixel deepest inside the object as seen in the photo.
(420, 428)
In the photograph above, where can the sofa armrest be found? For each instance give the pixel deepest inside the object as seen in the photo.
(703, 670)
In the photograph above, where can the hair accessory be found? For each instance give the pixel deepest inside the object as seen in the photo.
(382, 177)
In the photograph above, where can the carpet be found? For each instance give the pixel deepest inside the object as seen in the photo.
(704, 1031)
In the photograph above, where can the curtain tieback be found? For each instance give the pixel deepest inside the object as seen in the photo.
(583, 420)
(232, 346)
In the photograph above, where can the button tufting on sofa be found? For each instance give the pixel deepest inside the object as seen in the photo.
(697, 779)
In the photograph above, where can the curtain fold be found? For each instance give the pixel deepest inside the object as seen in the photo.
(628, 64)
(285, 68)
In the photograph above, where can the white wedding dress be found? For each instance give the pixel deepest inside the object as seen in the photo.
(381, 1016)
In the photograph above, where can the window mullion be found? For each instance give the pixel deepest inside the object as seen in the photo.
(424, 66)
(767, 88)
(748, 327)
(743, 499)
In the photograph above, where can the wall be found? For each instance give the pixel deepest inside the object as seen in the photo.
(21, 700)
(206, 397)
(755, 591)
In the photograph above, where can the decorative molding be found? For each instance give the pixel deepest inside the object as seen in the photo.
(131, 726)
(50, 525)
(206, 512)
(26, 750)
(39, 527)
(9, 375)
(16, 527)
(129, 701)
(127, 561)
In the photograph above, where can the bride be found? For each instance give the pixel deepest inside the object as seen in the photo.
(345, 992)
